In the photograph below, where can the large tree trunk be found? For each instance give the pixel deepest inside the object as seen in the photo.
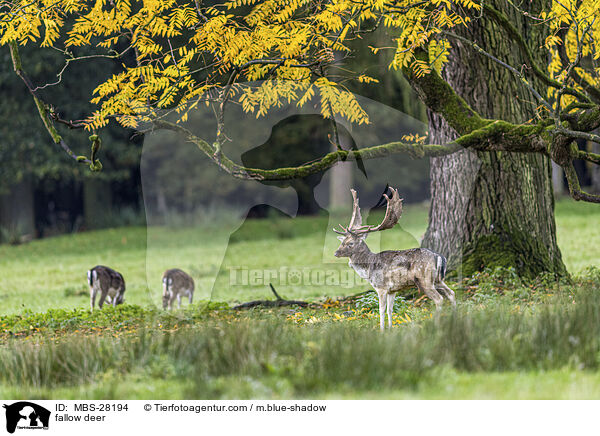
(492, 209)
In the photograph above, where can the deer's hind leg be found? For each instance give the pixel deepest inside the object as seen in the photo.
(172, 298)
(428, 289)
(103, 294)
(93, 292)
(446, 291)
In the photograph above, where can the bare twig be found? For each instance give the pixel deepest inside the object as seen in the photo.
(514, 34)
(512, 69)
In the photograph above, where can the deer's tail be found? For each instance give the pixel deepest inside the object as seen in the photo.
(92, 276)
(441, 267)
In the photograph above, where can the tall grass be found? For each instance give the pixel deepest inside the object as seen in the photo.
(320, 359)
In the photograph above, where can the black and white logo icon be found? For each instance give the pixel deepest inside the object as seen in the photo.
(26, 415)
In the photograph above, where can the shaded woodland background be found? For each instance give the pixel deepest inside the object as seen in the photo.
(43, 192)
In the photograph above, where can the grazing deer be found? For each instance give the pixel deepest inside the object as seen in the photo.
(175, 284)
(392, 271)
(108, 282)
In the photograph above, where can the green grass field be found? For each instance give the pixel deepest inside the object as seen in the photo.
(509, 339)
(51, 273)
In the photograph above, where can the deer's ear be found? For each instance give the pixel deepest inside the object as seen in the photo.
(341, 238)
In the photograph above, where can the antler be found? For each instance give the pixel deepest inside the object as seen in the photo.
(344, 230)
(392, 215)
(355, 221)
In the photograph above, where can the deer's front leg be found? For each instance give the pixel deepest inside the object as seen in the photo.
(382, 303)
(390, 307)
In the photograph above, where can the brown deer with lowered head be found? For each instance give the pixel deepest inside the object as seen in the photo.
(108, 282)
(176, 284)
(390, 272)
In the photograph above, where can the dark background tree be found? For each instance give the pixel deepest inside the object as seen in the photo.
(56, 196)
(41, 191)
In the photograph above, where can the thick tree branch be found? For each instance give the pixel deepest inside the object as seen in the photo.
(327, 161)
(584, 120)
(574, 187)
(495, 135)
(588, 156)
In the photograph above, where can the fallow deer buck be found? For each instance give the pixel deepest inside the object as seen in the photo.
(108, 282)
(390, 272)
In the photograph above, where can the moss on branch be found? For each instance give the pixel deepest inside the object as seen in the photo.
(439, 96)
(41, 107)
(493, 135)
(326, 162)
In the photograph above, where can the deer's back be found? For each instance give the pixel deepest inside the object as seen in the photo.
(397, 270)
(108, 278)
(178, 279)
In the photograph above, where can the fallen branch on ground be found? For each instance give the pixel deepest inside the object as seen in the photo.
(279, 302)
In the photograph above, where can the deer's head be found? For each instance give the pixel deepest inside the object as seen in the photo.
(352, 237)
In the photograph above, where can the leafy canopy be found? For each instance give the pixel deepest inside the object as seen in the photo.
(185, 53)
(177, 54)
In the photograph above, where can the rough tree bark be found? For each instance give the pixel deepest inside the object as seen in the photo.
(595, 170)
(492, 208)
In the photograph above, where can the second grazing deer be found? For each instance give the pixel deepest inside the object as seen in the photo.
(108, 282)
(176, 283)
(390, 272)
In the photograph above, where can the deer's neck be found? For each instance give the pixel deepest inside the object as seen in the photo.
(361, 260)
(362, 255)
